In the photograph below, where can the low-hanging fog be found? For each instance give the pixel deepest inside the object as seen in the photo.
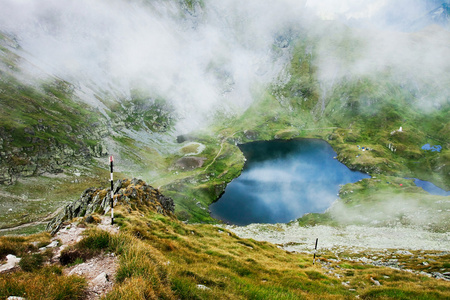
(214, 57)
(199, 59)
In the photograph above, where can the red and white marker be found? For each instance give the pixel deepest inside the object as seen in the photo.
(111, 163)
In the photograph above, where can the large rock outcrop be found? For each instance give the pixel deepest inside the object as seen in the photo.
(126, 192)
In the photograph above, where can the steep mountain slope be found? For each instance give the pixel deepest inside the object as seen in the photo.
(46, 126)
(370, 106)
(226, 77)
(161, 257)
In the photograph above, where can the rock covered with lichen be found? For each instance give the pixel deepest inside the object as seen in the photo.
(126, 192)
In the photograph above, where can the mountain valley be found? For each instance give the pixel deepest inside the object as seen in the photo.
(171, 88)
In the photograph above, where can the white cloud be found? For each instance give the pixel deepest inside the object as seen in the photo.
(199, 63)
(332, 9)
(202, 63)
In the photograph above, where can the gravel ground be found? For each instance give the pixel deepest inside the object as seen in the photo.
(302, 239)
(99, 271)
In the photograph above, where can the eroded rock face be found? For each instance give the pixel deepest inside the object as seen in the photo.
(97, 200)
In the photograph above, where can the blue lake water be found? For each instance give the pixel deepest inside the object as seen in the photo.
(435, 148)
(431, 188)
(283, 180)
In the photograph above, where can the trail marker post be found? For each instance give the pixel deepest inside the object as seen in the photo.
(111, 164)
(315, 250)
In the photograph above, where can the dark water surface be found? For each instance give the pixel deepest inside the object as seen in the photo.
(283, 180)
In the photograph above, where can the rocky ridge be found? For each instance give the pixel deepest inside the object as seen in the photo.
(68, 227)
(134, 192)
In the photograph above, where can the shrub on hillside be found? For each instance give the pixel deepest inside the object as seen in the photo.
(31, 262)
(95, 240)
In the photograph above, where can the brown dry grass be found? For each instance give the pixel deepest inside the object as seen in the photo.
(235, 268)
(162, 258)
(47, 283)
(19, 245)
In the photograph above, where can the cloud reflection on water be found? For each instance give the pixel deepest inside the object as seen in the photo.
(296, 177)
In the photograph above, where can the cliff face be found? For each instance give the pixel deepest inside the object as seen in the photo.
(127, 192)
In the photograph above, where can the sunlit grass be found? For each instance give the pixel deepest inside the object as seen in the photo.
(21, 245)
(47, 283)
(163, 258)
(206, 262)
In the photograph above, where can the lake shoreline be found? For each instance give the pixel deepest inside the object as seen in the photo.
(282, 180)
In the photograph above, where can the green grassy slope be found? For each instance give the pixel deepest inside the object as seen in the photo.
(368, 109)
(41, 128)
(348, 111)
(354, 112)
(163, 258)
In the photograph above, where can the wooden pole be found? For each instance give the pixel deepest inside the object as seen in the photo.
(111, 163)
(315, 250)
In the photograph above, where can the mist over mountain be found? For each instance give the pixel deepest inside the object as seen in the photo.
(81, 77)
(171, 90)
(402, 15)
(208, 56)
(439, 15)
(199, 58)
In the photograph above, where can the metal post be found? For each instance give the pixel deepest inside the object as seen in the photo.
(111, 163)
(315, 250)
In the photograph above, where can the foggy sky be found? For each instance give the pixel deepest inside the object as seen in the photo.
(212, 58)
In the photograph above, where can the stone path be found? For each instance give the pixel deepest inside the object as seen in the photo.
(99, 271)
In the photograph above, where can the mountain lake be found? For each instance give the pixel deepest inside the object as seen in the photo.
(283, 180)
